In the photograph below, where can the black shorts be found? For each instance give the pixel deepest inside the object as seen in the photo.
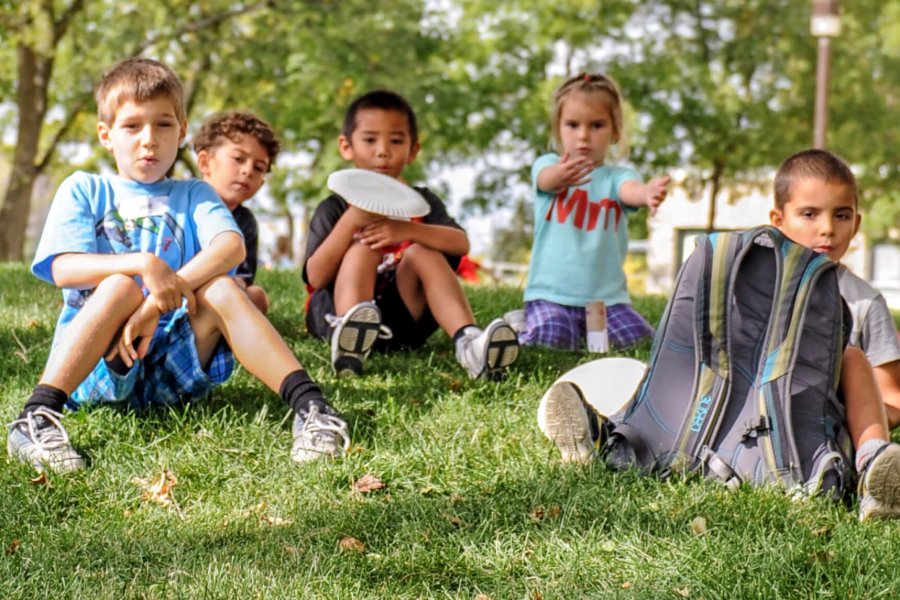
(408, 332)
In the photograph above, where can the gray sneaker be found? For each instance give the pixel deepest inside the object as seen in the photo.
(40, 440)
(320, 434)
(353, 337)
(566, 419)
(488, 353)
(879, 485)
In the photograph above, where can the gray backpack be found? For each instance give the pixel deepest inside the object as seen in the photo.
(744, 371)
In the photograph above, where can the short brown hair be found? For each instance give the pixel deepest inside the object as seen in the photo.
(812, 164)
(138, 79)
(234, 125)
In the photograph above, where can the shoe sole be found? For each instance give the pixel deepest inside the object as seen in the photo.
(883, 484)
(563, 418)
(501, 350)
(357, 336)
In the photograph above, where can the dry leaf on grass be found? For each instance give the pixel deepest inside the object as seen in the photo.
(367, 483)
(351, 544)
(454, 519)
(42, 480)
(274, 521)
(627, 585)
(698, 525)
(13, 547)
(684, 592)
(483, 597)
(160, 490)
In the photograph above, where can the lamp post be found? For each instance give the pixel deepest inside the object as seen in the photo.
(824, 24)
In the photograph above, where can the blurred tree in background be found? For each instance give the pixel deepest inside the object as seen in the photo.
(723, 90)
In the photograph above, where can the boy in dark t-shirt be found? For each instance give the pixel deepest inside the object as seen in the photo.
(235, 150)
(375, 280)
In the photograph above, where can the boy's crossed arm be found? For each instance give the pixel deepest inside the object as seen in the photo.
(166, 288)
(448, 240)
(85, 271)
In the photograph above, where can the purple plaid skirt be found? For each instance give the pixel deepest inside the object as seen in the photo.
(559, 326)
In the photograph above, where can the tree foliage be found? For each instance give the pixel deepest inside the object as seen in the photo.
(722, 89)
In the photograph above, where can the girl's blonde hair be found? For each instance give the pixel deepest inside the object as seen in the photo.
(591, 83)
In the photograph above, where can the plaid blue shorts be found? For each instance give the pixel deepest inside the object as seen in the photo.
(559, 326)
(170, 373)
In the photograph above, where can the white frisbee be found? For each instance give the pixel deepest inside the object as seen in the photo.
(377, 193)
(607, 383)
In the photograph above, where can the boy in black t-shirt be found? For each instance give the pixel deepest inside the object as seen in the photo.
(235, 150)
(375, 280)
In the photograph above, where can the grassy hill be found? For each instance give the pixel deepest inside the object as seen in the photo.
(475, 503)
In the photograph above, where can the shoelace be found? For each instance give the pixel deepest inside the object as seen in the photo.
(317, 423)
(49, 435)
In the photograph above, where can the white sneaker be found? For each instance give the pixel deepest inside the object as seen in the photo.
(40, 440)
(353, 337)
(319, 435)
(879, 485)
(488, 353)
(565, 418)
(516, 319)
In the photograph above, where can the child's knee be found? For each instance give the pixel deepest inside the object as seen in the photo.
(118, 290)
(218, 292)
(259, 298)
(421, 258)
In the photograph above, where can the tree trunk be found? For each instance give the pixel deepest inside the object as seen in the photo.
(31, 98)
(715, 185)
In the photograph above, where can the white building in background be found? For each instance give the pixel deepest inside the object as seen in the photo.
(681, 218)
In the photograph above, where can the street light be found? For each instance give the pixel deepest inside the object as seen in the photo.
(824, 24)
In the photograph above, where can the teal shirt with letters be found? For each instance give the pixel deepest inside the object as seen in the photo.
(580, 239)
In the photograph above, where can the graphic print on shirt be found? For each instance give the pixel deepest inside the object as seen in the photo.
(579, 203)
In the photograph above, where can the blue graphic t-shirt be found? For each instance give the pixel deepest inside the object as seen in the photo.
(98, 214)
(580, 239)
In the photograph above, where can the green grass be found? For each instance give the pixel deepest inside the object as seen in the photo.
(475, 503)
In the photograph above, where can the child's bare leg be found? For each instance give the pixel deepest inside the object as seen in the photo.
(888, 378)
(355, 281)
(224, 309)
(259, 298)
(91, 333)
(865, 409)
(425, 278)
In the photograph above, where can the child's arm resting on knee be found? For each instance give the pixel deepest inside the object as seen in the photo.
(444, 239)
(225, 252)
(85, 271)
(649, 194)
(323, 264)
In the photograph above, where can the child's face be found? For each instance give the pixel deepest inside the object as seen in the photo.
(144, 138)
(586, 127)
(236, 170)
(380, 142)
(819, 215)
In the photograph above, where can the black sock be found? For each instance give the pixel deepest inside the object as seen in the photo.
(46, 396)
(460, 332)
(300, 392)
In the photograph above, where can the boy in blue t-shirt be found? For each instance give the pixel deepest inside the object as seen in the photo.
(150, 314)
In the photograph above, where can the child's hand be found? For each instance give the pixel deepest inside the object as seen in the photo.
(141, 324)
(166, 286)
(656, 192)
(569, 171)
(385, 232)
